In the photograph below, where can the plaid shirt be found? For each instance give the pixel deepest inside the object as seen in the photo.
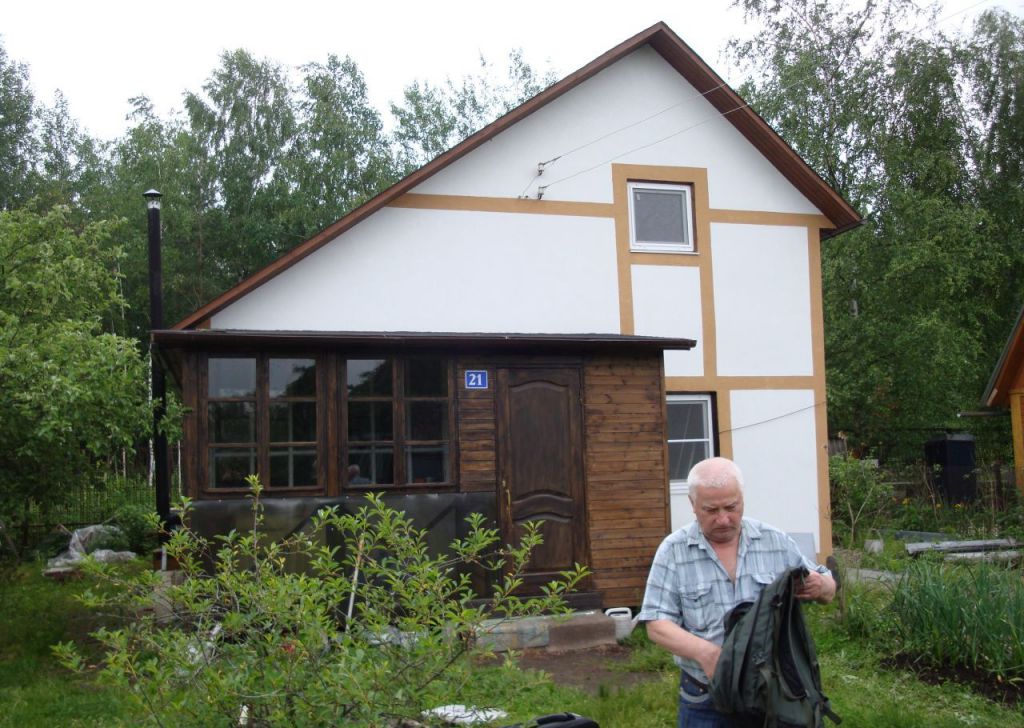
(689, 586)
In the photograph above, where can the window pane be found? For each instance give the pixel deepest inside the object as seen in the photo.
(376, 465)
(292, 466)
(426, 378)
(293, 422)
(369, 377)
(687, 420)
(427, 420)
(232, 377)
(369, 421)
(684, 455)
(229, 468)
(428, 463)
(292, 378)
(659, 216)
(232, 422)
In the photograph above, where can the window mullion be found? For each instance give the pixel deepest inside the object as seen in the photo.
(263, 419)
(398, 415)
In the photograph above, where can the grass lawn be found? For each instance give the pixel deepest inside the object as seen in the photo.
(36, 691)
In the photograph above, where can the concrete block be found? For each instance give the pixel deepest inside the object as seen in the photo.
(581, 631)
(501, 635)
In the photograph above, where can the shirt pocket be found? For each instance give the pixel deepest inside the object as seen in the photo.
(697, 606)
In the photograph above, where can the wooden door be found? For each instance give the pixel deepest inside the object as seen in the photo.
(540, 451)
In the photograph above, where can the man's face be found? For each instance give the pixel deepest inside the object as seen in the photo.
(719, 511)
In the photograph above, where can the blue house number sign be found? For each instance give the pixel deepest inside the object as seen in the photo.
(476, 379)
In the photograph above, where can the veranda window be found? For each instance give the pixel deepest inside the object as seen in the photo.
(262, 419)
(397, 423)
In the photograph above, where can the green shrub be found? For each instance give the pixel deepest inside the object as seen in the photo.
(140, 526)
(859, 497)
(376, 631)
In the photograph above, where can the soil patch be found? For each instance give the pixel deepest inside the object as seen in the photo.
(589, 670)
(995, 689)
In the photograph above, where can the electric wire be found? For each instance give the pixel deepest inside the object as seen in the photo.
(543, 188)
(773, 419)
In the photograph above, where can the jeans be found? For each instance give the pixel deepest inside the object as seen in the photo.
(695, 707)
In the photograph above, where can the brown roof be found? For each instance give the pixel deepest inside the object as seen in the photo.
(1008, 368)
(671, 47)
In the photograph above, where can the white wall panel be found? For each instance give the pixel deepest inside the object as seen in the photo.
(666, 302)
(762, 300)
(774, 441)
(429, 270)
(637, 111)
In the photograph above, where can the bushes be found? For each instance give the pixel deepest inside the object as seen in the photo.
(377, 630)
(859, 498)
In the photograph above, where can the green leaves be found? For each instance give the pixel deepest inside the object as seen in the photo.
(70, 395)
(906, 123)
(383, 632)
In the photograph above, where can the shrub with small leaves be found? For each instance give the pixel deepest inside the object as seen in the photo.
(376, 630)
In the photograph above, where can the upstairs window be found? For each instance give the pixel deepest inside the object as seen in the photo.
(660, 218)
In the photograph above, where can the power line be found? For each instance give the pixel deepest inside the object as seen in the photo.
(540, 167)
(772, 419)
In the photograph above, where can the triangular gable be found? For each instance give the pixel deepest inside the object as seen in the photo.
(670, 47)
(1008, 369)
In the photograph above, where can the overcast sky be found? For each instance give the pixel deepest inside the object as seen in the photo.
(103, 52)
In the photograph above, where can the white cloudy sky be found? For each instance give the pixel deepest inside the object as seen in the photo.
(101, 53)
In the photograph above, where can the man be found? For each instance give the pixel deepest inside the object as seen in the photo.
(703, 570)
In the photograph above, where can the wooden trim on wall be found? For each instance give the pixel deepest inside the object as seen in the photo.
(723, 400)
(697, 178)
(1017, 428)
(712, 383)
(820, 394)
(759, 217)
(469, 203)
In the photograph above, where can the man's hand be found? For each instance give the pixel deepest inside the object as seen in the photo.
(816, 587)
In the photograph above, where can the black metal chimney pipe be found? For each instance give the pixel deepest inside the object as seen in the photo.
(161, 479)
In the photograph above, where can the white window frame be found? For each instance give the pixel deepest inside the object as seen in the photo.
(681, 487)
(655, 246)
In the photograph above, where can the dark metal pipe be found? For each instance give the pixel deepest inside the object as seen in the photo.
(161, 479)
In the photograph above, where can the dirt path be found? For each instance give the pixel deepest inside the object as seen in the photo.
(585, 669)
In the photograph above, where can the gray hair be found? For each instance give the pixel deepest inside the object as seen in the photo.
(714, 473)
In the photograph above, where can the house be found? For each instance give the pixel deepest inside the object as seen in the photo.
(552, 320)
(1005, 390)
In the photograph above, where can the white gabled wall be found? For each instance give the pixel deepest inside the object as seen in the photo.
(446, 271)
(602, 113)
(666, 302)
(774, 436)
(774, 440)
(762, 300)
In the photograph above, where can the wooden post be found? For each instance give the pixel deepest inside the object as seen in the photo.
(1016, 415)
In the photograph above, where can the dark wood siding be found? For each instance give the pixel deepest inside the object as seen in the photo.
(477, 444)
(627, 484)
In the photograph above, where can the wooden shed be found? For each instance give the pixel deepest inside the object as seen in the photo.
(1006, 390)
(565, 429)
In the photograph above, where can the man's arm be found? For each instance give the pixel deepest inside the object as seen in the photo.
(678, 641)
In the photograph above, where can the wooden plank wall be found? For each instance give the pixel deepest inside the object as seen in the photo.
(477, 431)
(626, 472)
